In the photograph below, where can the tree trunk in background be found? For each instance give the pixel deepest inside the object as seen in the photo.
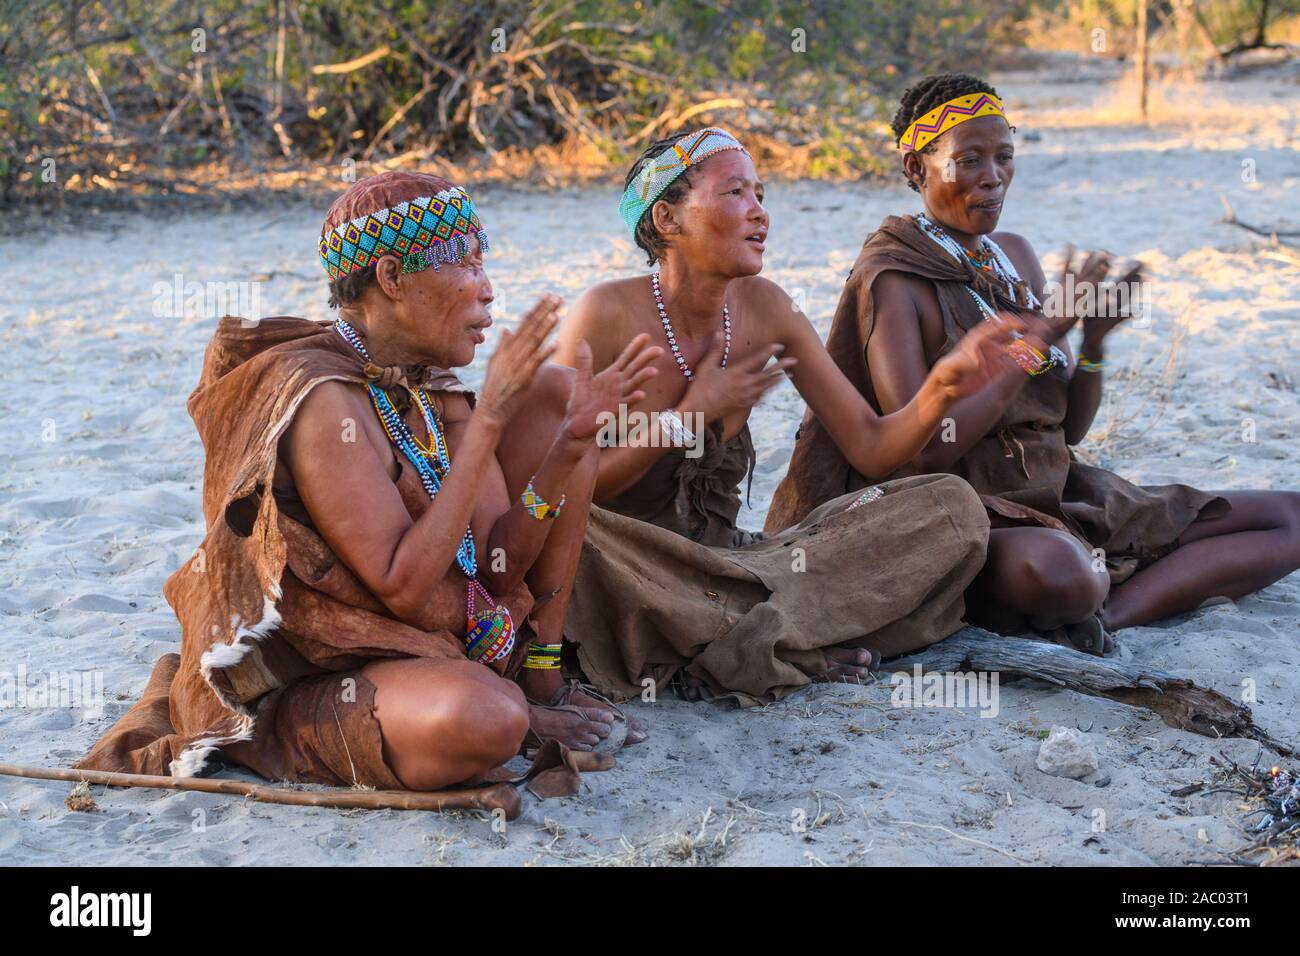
(1143, 67)
(1215, 53)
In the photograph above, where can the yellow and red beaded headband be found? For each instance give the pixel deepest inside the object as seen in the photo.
(942, 118)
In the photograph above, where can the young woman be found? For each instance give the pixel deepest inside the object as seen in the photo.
(1075, 551)
(667, 583)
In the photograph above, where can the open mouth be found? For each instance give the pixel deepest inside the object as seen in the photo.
(757, 238)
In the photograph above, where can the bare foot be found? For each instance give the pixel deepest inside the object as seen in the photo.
(546, 689)
(582, 729)
(851, 665)
(636, 731)
(688, 686)
(1088, 636)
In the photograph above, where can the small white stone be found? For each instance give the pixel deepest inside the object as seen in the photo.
(1067, 753)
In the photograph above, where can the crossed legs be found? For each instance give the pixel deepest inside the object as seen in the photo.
(1043, 579)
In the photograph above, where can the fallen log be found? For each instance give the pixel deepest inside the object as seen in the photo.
(1178, 701)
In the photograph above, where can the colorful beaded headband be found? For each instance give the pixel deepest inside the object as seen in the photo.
(423, 231)
(943, 118)
(659, 173)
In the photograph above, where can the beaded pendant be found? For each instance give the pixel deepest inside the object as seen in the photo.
(672, 337)
(490, 634)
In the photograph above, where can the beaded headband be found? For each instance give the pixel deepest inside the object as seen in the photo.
(944, 117)
(658, 173)
(423, 231)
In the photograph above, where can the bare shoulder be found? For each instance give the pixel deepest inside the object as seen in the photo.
(759, 290)
(326, 409)
(325, 403)
(455, 406)
(766, 301)
(609, 298)
(603, 316)
(902, 294)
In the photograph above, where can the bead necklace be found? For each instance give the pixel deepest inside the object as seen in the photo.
(982, 260)
(999, 267)
(672, 337)
(490, 634)
(990, 259)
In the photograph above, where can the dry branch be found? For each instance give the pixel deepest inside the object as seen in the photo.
(351, 66)
(500, 796)
(1230, 218)
(1177, 700)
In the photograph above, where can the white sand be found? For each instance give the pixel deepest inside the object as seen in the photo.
(92, 522)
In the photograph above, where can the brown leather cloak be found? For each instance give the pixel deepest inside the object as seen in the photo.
(1023, 470)
(265, 606)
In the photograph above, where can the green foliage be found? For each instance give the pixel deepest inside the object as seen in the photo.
(92, 83)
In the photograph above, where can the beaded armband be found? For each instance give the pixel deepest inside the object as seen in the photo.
(538, 508)
(543, 657)
(1087, 365)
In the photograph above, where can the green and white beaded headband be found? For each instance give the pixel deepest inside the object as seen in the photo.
(660, 172)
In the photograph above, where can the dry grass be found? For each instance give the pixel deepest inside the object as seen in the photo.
(79, 799)
(1134, 395)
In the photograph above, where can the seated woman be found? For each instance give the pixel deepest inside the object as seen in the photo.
(667, 583)
(358, 606)
(1075, 551)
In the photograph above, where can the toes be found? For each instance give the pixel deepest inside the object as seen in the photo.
(598, 714)
(600, 731)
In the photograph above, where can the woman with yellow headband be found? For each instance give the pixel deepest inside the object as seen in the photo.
(668, 584)
(1074, 551)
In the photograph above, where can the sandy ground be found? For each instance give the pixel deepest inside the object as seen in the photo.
(100, 502)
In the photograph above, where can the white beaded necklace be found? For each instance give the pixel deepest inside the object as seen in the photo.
(1004, 271)
(672, 336)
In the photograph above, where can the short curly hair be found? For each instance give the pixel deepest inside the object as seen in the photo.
(929, 93)
(345, 290)
(647, 236)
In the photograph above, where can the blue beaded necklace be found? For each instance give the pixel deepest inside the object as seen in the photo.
(489, 634)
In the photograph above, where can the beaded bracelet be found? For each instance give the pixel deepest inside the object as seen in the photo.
(543, 657)
(1029, 358)
(678, 434)
(1087, 365)
(536, 506)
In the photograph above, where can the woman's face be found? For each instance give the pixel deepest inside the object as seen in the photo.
(721, 225)
(442, 315)
(965, 176)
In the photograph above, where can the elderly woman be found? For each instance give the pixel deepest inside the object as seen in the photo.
(1075, 551)
(385, 553)
(668, 584)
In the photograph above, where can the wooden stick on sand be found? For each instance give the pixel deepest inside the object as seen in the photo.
(499, 796)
